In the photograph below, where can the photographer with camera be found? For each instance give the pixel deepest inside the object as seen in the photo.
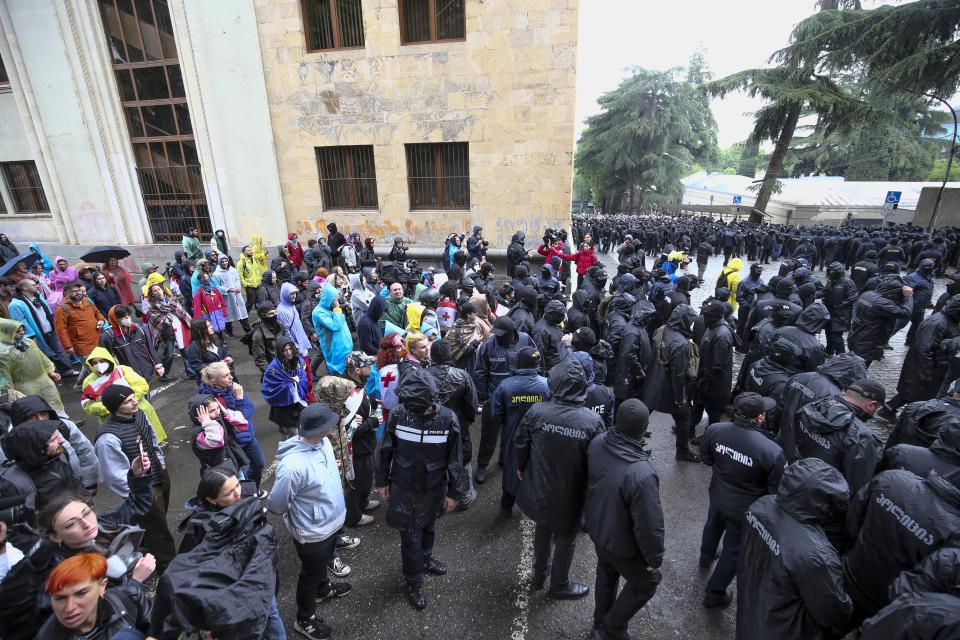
(398, 251)
(516, 253)
(477, 244)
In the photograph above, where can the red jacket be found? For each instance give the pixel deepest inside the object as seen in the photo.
(585, 259)
(549, 252)
(296, 251)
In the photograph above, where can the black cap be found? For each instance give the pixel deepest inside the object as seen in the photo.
(632, 418)
(583, 338)
(750, 405)
(317, 419)
(528, 358)
(503, 326)
(869, 389)
(114, 396)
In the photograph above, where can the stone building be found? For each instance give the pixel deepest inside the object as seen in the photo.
(131, 121)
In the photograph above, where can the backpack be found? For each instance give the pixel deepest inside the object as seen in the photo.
(723, 281)
(693, 363)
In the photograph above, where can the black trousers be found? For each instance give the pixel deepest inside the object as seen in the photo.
(416, 549)
(156, 533)
(312, 580)
(714, 414)
(489, 434)
(681, 421)
(564, 545)
(612, 612)
(359, 492)
(835, 343)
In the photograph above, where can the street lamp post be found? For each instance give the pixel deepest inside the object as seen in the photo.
(946, 177)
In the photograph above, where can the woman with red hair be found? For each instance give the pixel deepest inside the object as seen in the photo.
(83, 606)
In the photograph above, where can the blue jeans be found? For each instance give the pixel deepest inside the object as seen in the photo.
(257, 463)
(274, 630)
(716, 527)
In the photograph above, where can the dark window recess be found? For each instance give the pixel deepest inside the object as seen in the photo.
(4, 78)
(140, 37)
(332, 24)
(348, 178)
(23, 184)
(438, 175)
(432, 20)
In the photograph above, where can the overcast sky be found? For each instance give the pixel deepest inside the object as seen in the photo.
(736, 34)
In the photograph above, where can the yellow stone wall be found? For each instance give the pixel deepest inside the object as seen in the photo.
(508, 90)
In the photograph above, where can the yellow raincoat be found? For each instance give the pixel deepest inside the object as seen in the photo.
(134, 380)
(732, 271)
(26, 371)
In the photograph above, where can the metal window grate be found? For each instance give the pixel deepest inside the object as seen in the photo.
(4, 78)
(332, 24)
(140, 37)
(432, 20)
(348, 177)
(438, 175)
(23, 183)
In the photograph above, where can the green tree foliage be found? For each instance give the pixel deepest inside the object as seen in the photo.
(940, 168)
(651, 131)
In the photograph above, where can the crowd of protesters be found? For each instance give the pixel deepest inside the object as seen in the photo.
(374, 369)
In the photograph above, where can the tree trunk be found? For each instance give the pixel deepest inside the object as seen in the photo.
(748, 159)
(775, 167)
(633, 193)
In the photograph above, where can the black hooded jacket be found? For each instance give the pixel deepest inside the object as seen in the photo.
(839, 296)
(943, 456)
(790, 578)
(515, 252)
(26, 446)
(834, 431)
(619, 311)
(920, 422)
(812, 320)
(268, 291)
(420, 455)
(898, 519)
(926, 603)
(634, 359)
(497, 361)
(455, 391)
(524, 311)
(828, 381)
(668, 390)
(369, 332)
(874, 320)
(623, 513)
(548, 335)
(715, 373)
(581, 314)
(924, 367)
(551, 448)
(747, 464)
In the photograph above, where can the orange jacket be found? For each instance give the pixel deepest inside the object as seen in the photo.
(77, 325)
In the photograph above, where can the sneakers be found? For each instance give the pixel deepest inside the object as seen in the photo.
(338, 567)
(711, 601)
(687, 456)
(371, 505)
(314, 628)
(365, 520)
(415, 594)
(481, 475)
(336, 590)
(348, 542)
(435, 567)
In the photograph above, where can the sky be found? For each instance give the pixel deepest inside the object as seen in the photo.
(616, 35)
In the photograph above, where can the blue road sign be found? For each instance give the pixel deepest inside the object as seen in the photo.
(892, 199)
(737, 199)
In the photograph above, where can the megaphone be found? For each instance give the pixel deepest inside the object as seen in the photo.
(389, 329)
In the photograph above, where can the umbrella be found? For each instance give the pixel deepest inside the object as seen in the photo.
(104, 253)
(26, 258)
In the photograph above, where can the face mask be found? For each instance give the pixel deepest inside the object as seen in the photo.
(102, 367)
(127, 322)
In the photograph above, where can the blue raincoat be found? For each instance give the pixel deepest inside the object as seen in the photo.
(333, 334)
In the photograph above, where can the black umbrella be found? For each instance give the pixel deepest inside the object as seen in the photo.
(26, 258)
(104, 253)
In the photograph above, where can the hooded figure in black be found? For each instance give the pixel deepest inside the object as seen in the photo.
(264, 334)
(926, 603)
(420, 468)
(619, 311)
(761, 335)
(924, 367)
(875, 318)
(510, 403)
(625, 520)
(920, 422)
(634, 358)
(804, 334)
(31, 447)
(595, 283)
(524, 311)
(782, 295)
(835, 430)
(839, 295)
(715, 373)
(369, 332)
(898, 519)
(768, 376)
(667, 391)
(551, 448)
(548, 334)
(269, 289)
(516, 253)
(521, 278)
(828, 381)
(581, 313)
(747, 290)
(336, 240)
(943, 456)
(921, 281)
(599, 396)
(865, 270)
(789, 576)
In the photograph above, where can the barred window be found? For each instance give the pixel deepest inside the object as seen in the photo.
(332, 24)
(432, 20)
(23, 184)
(4, 78)
(348, 178)
(438, 175)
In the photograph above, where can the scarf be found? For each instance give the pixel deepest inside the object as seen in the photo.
(459, 337)
(95, 389)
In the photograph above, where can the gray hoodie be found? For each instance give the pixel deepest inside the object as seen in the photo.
(307, 491)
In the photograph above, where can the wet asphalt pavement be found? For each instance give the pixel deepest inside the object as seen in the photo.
(486, 592)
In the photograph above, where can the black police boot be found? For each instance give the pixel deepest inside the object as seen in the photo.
(415, 594)
(569, 591)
